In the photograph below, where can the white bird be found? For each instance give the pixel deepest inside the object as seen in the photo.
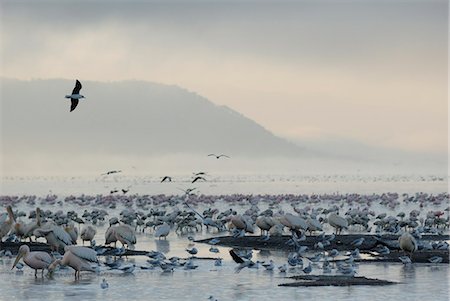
(78, 258)
(75, 96)
(162, 231)
(88, 233)
(337, 222)
(407, 243)
(55, 235)
(36, 260)
(269, 266)
(6, 221)
(192, 251)
(123, 233)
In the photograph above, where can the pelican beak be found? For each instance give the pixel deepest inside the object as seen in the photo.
(17, 260)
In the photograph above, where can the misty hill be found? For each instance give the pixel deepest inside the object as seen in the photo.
(132, 117)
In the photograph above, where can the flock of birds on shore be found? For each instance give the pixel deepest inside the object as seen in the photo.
(161, 215)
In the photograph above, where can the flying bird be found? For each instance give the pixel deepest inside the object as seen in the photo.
(197, 179)
(166, 178)
(111, 172)
(75, 96)
(218, 156)
(188, 191)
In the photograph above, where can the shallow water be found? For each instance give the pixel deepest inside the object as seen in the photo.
(417, 282)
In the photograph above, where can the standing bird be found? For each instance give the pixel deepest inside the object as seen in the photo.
(218, 156)
(88, 233)
(78, 258)
(407, 243)
(162, 231)
(337, 222)
(6, 222)
(75, 95)
(35, 260)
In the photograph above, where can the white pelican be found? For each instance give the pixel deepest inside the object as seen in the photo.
(75, 96)
(264, 223)
(6, 221)
(407, 243)
(162, 231)
(35, 260)
(55, 235)
(72, 231)
(78, 258)
(123, 233)
(23, 230)
(88, 233)
(293, 222)
(337, 222)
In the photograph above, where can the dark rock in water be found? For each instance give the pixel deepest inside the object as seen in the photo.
(340, 243)
(338, 280)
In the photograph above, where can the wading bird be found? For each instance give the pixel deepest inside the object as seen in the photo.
(78, 258)
(36, 260)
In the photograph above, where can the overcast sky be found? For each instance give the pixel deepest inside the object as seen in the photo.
(374, 72)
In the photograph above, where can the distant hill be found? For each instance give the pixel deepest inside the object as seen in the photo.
(132, 117)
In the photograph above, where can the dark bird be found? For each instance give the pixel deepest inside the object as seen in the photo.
(125, 190)
(111, 172)
(197, 179)
(218, 156)
(201, 173)
(75, 96)
(114, 191)
(187, 191)
(166, 178)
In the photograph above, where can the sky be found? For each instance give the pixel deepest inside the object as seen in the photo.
(363, 71)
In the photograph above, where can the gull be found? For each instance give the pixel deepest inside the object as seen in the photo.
(104, 284)
(357, 242)
(213, 250)
(192, 251)
(435, 259)
(214, 241)
(282, 268)
(269, 266)
(75, 96)
(405, 259)
(218, 156)
(307, 269)
(127, 268)
(189, 265)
